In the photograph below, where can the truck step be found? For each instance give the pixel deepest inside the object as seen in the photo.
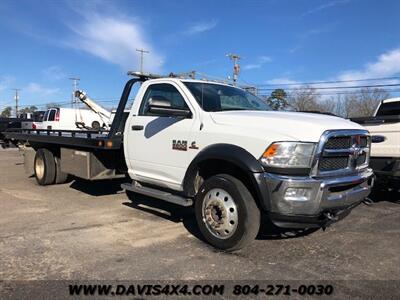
(137, 188)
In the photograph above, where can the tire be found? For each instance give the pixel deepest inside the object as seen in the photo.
(44, 167)
(226, 213)
(95, 125)
(61, 177)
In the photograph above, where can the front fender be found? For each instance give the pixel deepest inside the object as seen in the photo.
(236, 156)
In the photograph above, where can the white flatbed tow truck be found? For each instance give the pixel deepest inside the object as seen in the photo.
(221, 149)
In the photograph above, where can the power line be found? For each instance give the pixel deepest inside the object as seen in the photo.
(336, 93)
(7, 103)
(329, 81)
(333, 93)
(341, 87)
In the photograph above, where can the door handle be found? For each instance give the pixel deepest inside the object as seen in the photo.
(137, 127)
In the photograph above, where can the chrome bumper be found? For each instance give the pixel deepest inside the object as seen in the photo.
(316, 196)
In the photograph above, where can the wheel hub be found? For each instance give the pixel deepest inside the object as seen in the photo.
(220, 213)
(39, 167)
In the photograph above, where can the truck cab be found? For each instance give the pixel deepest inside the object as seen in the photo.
(236, 158)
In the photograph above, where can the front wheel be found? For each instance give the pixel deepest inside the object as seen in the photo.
(226, 213)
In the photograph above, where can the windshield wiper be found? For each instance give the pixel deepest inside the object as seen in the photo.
(235, 108)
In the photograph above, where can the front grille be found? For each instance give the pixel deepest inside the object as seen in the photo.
(333, 163)
(347, 151)
(341, 142)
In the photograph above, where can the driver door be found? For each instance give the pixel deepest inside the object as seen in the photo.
(158, 144)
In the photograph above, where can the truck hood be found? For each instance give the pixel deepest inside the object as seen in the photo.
(296, 126)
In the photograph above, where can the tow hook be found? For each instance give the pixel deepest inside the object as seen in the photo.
(368, 201)
(331, 219)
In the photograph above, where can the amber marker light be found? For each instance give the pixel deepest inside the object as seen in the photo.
(271, 151)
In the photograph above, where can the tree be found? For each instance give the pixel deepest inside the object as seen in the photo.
(278, 99)
(6, 113)
(358, 104)
(369, 101)
(30, 109)
(305, 99)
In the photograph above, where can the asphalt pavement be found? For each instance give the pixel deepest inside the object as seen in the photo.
(92, 230)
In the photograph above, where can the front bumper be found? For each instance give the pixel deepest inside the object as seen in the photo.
(322, 200)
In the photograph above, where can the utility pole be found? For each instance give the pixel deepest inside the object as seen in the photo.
(142, 51)
(16, 97)
(236, 68)
(75, 83)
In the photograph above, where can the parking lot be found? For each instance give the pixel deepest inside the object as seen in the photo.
(87, 230)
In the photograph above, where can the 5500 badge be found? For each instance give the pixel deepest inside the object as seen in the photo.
(182, 145)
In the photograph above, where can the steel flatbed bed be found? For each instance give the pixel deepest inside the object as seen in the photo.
(106, 140)
(74, 138)
(87, 154)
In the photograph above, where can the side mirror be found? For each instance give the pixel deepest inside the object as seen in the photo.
(162, 107)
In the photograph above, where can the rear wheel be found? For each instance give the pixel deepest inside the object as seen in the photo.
(226, 213)
(61, 177)
(44, 167)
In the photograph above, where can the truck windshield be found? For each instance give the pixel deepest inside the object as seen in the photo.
(389, 109)
(218, 97)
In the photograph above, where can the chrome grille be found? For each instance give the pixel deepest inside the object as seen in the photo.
(342, 151)
(340, 142)
(333, 163)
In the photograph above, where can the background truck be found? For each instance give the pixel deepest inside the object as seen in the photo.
(384, 127)
(9, 123)
(32, 120)
(220, 149)
(71, 118)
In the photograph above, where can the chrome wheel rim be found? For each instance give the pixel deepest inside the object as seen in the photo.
(39, 167)
(220, 213)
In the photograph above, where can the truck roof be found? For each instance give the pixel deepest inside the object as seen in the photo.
(397, 99)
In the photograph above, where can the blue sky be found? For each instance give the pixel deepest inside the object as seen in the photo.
(43, 43)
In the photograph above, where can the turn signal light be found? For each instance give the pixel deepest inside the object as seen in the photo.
(271, 151)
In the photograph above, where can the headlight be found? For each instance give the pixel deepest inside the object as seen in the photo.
(288, 154)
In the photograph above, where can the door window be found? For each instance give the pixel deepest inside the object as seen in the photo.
(162, 91)
(46, 115)
(52, 115)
